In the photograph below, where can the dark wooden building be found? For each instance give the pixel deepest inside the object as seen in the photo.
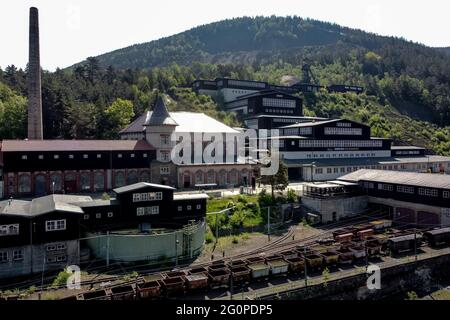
(39, 167)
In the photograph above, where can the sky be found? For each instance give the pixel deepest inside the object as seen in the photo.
(72, 30)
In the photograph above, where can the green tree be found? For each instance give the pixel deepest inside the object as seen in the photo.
(119, 115)
(278, 181)
(13, 110)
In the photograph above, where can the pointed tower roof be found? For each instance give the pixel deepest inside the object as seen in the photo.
(160, 116)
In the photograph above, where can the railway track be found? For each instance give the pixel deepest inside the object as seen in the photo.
(279, 244)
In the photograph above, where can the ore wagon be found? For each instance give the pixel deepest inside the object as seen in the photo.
(296, 264)
(173, 285)
(331, 258)
(196, 281)
(278, 267)
(218, 278)
(148, 290)
(124, 292)
(314, 261)
(241, 274)
(259, 270)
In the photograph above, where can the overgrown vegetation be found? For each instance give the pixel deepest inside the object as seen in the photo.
(407, 85)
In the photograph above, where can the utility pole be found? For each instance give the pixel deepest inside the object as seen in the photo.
(231, 279)
(415, 245)
(176, 250)
(306, 268)
(217, 227)
(268, 223)
(107, 249)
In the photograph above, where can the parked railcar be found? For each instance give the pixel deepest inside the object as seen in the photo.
(278, 267)
(173, 285)
(124, 292)
(259, 270)
(404, 243)
(148, 290)
(219, 277)
(241, 274)
(196, 281)
(331, 258)
(314, 261)
(296, 265)
(438, 237)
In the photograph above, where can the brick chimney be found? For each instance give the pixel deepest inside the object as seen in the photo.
(35, 131)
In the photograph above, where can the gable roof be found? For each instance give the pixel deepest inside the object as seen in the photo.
(141, 185)
(43, 205)
(399, 177)
(187, 122)
(75, 145)
(160, 115)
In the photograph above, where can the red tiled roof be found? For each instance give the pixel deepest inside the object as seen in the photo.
(75, 145)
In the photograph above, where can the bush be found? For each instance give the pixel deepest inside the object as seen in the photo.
(235, 240)
(209, 237)
(61, 278)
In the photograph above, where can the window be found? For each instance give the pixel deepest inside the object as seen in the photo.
(51, 248)
(9, 229)
(164, 155)
(385, 187)
(18, 255)
(3, 256)
(119, 155)
(70, 156)
(329, 170)
(199, 206)
(99, 156)
(60, 258)
(41, 157)
(56, 156)
(446, 194)
(343, 131)
(189, 208)
(98, 215)
(132, 155)
(319, 171)
(146, 211)
(147, 196)
(86, 217)
(180, 208)
(85, 156)
(60, 246)
(165, 140)
(110, 214)
(144, 155)
(55, 225)
(24, 157)
(405, 189)
(164, 170)
(136, 197)
(428, 192)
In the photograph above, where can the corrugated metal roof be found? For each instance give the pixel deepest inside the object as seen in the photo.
(42, 205)
(141, 185)
(187, 122)
(75, 145)
(190, 196)
(398, 177)
(363, 161)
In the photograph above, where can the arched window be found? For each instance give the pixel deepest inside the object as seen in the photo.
(145, 176)
(55, 182)
(119, 179)
(24, 184)
(211, 176)
(39, 185)
(132, 177)
(85, 181)
(99, 181)
(199, 177)
(222, 178)
(234, 177)
(245, 177)
(70, 183)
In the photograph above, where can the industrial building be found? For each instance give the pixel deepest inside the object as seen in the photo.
(410, 199)
(421, 199)
(44, 234)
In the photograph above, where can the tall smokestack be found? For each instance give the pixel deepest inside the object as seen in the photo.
(35, 131)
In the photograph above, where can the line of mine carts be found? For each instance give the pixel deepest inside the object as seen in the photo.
(346, 247)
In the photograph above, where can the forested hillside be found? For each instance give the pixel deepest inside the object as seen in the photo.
(407, 94)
